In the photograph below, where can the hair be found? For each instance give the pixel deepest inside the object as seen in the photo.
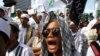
(25, 12)
(51, 19)
(65, 35)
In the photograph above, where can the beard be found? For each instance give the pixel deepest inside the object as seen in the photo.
(98, 38)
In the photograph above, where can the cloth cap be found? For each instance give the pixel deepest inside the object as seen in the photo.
(25, 15)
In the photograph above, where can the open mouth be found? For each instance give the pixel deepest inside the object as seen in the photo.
(52, 45)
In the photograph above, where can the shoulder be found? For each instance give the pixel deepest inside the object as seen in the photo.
(25, 47)
(27, 51)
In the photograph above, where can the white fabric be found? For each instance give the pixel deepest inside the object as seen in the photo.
(25, 15)
(39, 14)
(56, 5)
(33, 23)
(16, 20)
(5, 27)
(84, 31)
(26, 51)
(31, 11)
(90, 51)
(71, 23)
(22, 34)
(6, 11)
(91, 24)
(38, 5)
(77, 43)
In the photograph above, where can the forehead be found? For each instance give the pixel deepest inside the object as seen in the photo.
(53, 24)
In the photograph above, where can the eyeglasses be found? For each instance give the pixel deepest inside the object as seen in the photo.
(54, 32)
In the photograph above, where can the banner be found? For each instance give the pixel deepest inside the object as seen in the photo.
(76, 10)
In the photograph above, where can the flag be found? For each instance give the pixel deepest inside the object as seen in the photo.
(76, 10)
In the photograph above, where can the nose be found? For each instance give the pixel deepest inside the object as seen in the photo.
(50, 35)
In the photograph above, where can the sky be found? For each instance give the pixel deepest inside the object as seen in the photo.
(88, 8)
(1, 3)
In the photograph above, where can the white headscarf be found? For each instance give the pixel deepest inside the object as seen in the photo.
(25, 15)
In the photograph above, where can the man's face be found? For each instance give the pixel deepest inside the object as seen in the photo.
(18, 13)
(24, 20)
(53, 38)
(73, 27)
(2, 46)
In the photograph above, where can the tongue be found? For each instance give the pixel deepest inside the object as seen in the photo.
(52, 46)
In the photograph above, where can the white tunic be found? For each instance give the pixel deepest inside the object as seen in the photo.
(17, 20)
(22, 34)
(26, 51)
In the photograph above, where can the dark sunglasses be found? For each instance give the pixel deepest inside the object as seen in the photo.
(54, 32)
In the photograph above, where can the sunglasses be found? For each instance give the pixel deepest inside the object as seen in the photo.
(54, 32)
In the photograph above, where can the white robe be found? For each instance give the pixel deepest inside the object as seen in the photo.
(22, 34)
(26, 51)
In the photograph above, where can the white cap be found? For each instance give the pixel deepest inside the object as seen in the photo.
(40, 14)
(71, 23)
(31, 11)
(25, 15)
(5, 27)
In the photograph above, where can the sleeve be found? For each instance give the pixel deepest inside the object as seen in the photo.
(91, 24)
(90, 52)
(28, 52)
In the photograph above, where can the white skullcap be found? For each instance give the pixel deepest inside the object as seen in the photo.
(40, 14)
(71, 23)
(5, 27)
(18, 9)
(25, 15)
(31, 11)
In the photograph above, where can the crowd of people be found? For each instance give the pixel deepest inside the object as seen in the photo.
(33, 33)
